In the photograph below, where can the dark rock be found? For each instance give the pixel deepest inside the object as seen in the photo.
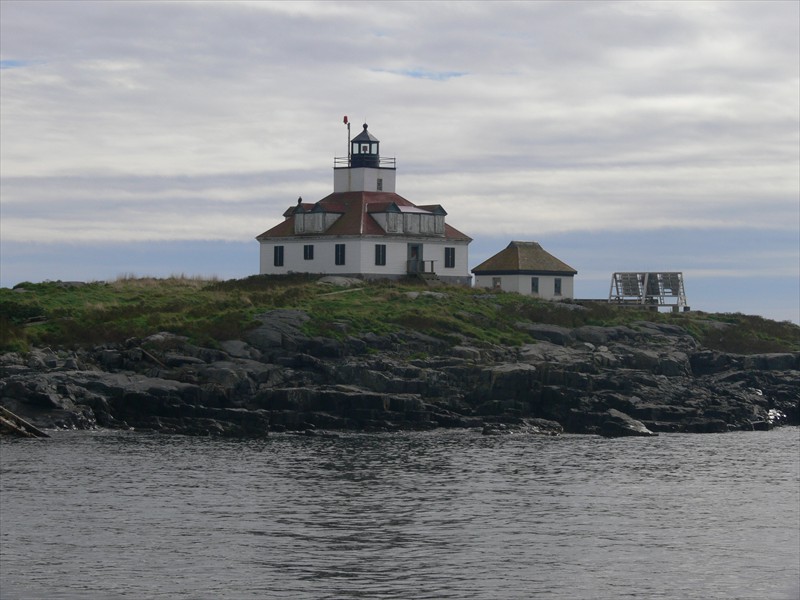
(522, 426)
(239, 349)
(377, 342)
(773, 362)
(279, 329)
(707, 362)
(660, 328)
(549, 333)
(603, 336)
(701, 425)
(177, 360)
(674, 364)
(664, 412)
(758, 426)
(416, 341)
(355, 346)
(618, 424)
(517, 380)
(640, 359)
(546, 426)
(495, 429)
(111, 359)
(466, 352)
(615, 400)
(317, 434)
(326, 347)
(635, 380)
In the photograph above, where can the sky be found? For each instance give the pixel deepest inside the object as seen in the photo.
(159, 138)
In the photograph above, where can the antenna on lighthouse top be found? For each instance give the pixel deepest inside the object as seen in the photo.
(347, 122)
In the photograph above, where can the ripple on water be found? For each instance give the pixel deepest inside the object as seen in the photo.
(416, 515)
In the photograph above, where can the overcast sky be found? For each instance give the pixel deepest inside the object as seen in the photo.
(158, 137)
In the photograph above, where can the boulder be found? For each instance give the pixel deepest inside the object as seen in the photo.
(511, 380)
(674, 364)
(466, 352)
(603, 336)
(618, 424)
(239, 349)
(548, 333)
(279, 329)
(172, 359)
(337, 281)
(708, 362)
(773, 362)
(37, 391)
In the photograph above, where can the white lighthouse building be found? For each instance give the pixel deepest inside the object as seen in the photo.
(365, 229)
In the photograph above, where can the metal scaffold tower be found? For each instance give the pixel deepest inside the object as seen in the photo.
(649, 289)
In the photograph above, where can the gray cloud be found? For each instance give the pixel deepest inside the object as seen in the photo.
(522, 118)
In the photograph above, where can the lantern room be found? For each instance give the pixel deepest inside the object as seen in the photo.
(363, 169)
(364, 150)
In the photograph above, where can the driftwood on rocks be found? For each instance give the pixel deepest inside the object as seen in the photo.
(11, 424)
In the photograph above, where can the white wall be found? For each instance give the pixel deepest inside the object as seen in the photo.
(363, 179)
(360, 256)
(521, 284)
(323, 262)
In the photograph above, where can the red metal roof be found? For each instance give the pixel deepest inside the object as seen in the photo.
(355, 208)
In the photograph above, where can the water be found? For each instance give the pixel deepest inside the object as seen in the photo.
(412, 515)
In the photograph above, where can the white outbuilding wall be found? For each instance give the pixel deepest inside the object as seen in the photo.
(522, 284)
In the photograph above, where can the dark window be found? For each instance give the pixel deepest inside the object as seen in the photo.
(557, 286)
(534, 285)
(339, 254)
(449, 258)
(380, 254)
(278, 256)
(308, 252)
(380, 184)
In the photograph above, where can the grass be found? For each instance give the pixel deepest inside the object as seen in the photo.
(60, 314)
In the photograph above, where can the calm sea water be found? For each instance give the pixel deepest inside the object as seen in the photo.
(412, 515)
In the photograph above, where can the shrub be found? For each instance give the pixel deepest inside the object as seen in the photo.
(20, 311)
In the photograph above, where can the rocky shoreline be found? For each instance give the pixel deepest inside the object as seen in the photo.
(615, 381)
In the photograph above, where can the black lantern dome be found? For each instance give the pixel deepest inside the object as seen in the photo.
(364, 150)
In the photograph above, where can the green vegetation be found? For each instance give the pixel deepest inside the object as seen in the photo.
(68, 315)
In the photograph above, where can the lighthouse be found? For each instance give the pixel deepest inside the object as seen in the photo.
(365, 228)
(363, 170)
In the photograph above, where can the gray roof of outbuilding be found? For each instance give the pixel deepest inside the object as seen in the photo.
(523, 257)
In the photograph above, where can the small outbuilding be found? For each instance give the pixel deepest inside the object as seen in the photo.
(527, 268)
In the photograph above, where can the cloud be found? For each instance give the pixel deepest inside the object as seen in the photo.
(425, 74)
(144, 209)
(204, 121)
